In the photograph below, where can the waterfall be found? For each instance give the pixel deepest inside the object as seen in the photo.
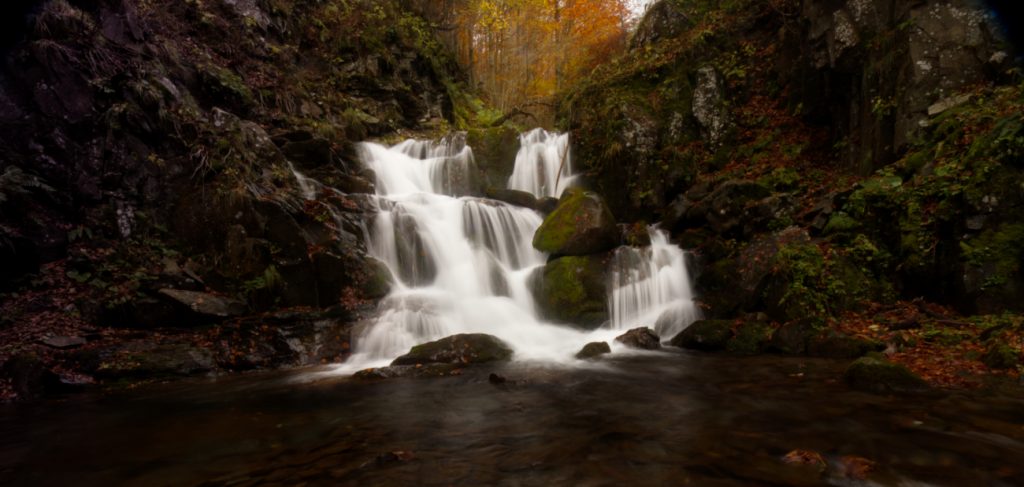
(462, 264)
(649, 283)
(543, 164)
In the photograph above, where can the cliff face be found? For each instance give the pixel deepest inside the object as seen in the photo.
(841, 141)
(148, 147)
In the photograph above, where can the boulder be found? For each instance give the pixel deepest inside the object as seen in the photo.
(837, 345)
(705, 335)
(643, 338)
(663, 20)
(593, 350)
(547, 205)
(709, 105)
(513, 197)
(573, 290)
(751, 338)
(581, 225)
(877, 375)
(206, 304)
(792, 338)
(458, 349)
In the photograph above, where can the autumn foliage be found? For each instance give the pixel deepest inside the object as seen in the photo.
(520, 52)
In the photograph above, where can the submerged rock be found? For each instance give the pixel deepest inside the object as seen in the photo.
(593, 350)
(414, 371)
(873, 374)
(581, 225)
(705, 335)
(458, 349)
(642, 338)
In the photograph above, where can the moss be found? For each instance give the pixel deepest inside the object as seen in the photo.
(581, 225)
(841, 223)
(750, 339)
(999, 251)
(873, 374)
(573, 291)
(1000, 355)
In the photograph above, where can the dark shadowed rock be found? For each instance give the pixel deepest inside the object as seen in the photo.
(206, 304)
(457, 349)
(642, 338)
(792, 338)
(513, 197)
(706, 335)
(877, 375)
(832, 344)
(308, 154)
(593, 350)
(412, 371)
(63, 342)
(547, 204)
(581, 225)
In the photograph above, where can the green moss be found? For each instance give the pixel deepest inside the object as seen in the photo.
(581, 225)
(750, 339)
(841, 223)
(573, 291)
(999, 251)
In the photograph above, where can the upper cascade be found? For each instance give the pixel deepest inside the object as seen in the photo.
(543, 164)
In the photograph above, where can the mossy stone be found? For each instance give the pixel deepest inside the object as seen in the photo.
(572, 290)
(458, 349)
(593, 350)
(879, 376)
(581, 225)
(750, 339)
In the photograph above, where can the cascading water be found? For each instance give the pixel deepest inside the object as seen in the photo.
(543, 165)
(462, 264)
(649, 283)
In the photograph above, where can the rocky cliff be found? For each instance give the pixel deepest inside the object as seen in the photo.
(150, 162)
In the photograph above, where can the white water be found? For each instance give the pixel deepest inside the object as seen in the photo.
(543, 165)
(462, 264)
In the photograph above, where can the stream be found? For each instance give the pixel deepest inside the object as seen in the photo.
(652, 418)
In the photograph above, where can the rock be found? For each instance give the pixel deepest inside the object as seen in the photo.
(704, 335)
(63, 342)
(663, 20)
(496, 379)
(309, 154)
(1000, 355)
(880, 376)
(408, 371)
(837, 345)
(29, 376)
(709, 105)
(573, 290)
(494, 150)
(675, 319)
(643, 338)
(793, 337)
(593, 350)
(206, 304)
(513, 197)
(635, 234)
(546, 205)
(750, 338)
(457, 349)
(581, 225)
(144, 360)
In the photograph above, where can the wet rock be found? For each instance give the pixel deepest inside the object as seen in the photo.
(408, 371)
(513, 197)
(593, 350)
(581, 225)
(29, 376)
(704, 335)
(643, 338)
(206, 304)
(546, 205)
(876, 375)
(457, 349)
(496, 379)
(573, 290)
(146, 360)
(64, 342)
(635, 234)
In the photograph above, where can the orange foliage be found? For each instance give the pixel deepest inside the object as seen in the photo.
(519, 51)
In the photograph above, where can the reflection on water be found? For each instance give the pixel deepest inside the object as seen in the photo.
(671, 418)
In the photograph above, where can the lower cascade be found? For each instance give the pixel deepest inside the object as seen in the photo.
(463, 264)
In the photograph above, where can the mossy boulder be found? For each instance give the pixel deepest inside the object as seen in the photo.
(494, 150)
(593, 350)
(572, 290)
(832, 344)
(999, 355)
(877, 375)
(705, 335)
(750, 338)
(581, 225)
(471, 348)
(643, 338)
(792, 338)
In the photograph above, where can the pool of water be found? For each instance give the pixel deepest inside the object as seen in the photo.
(670, 418)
